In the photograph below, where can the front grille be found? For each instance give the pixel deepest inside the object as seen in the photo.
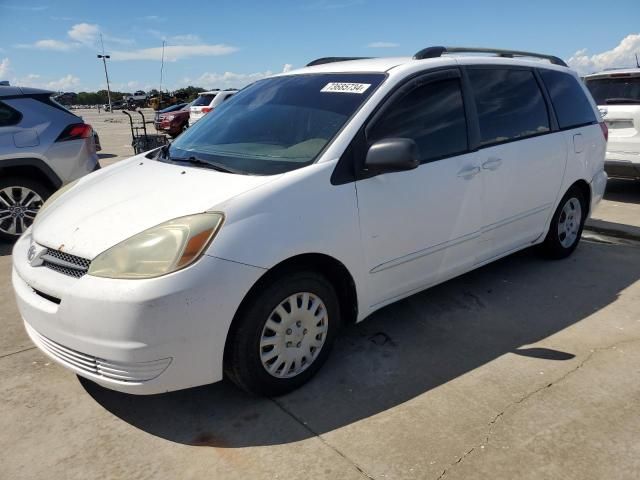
(65, 263)
(99, 367)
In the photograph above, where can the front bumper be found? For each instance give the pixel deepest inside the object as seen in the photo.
(135, 336)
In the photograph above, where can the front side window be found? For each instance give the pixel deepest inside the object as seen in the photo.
(510, 105)
(618, 89)
(8, 115)
(568, 98)
(432, 115)
(277, 124)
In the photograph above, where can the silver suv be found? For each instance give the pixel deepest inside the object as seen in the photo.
(42, 147)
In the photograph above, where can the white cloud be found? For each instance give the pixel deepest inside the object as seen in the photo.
(50, 44)
(383, 45)
(287, 68)
(5, 67)
(154, 18)
(84, 33)
(623, 55)
(174, 52)
(188, 39)
(34, 8)
(224, 80)
(66, 83)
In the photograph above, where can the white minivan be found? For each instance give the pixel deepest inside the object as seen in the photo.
(307, 201)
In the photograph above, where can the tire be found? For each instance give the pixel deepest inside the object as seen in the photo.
(566, 226)
(20, 201)
(256, 334)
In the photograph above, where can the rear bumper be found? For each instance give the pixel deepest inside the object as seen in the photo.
(598, 187)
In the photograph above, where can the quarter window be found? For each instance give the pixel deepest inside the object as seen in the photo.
(8, 116)
(568, 99)
(432, 115)
(510, 105)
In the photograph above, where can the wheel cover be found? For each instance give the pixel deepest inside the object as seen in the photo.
(18, 208)
(293, 335)
(569, 222)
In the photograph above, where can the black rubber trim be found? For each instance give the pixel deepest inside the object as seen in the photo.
(46, 296)
(36, 163)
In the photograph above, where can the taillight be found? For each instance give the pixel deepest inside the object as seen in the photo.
(76, 131)
(605, 130)
(206, 109)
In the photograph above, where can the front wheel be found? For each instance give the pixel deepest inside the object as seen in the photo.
(566, 225)
(20, 201)
(283, 335)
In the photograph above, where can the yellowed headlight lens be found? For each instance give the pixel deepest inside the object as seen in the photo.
(159, 250)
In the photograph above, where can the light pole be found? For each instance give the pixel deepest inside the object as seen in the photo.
(104, 62)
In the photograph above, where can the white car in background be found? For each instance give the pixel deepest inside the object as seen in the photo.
(617, 93)
(208, 101)
(311, 200)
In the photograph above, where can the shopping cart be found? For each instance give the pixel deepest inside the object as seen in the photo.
(142, 141)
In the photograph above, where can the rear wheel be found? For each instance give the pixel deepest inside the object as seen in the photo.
(20, 201)
(566, 225)
(283, 335)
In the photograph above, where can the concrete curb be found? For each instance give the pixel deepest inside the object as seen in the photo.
(620, 230)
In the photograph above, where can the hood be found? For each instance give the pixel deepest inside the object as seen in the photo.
(117, 202)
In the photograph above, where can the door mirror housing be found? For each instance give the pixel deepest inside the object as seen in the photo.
(392, 155)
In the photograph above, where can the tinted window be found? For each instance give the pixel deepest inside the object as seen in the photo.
(8, 116)
(432, 115)
(619, 90)
(276, 124)
(568, 98)
(510, 105)
(203, 100)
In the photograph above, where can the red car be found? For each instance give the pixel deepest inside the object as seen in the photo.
(173, 120)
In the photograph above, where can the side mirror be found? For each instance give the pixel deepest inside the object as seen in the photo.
(392, 155)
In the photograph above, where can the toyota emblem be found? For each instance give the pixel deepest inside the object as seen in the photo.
(31, 254)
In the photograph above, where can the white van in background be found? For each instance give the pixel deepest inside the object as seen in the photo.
(206, 102)
(617, 93)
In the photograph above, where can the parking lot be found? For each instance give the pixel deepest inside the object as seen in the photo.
(526, 368)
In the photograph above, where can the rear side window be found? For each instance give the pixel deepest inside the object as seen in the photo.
(510, 105)
(569, 100)
(432, 115)
(203, 100)
(619, 89)
(8, 115)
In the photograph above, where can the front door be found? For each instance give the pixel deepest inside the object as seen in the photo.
(421, 226)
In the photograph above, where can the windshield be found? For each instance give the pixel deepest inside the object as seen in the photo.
(203, 100)
(277, 124)
(618, 90)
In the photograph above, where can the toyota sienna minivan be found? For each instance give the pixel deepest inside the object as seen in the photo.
(306, 202)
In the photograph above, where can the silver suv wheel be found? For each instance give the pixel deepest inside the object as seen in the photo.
(18, 208)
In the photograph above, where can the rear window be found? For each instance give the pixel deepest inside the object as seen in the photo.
(510, 105)
(617, 90)
(8, 115)
(569, 100)
(203, 100)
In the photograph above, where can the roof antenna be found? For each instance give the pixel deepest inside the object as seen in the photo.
(637, 63)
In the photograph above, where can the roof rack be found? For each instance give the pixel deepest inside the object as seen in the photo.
(323, 60)
(434, 52)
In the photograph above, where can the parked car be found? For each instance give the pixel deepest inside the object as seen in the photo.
(42, 147)
(208, 101)
(119, 105)
(617, 93)
(309, 201)
(173, 120)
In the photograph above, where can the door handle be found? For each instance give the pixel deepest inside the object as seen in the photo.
(492, 164)
(469, 172)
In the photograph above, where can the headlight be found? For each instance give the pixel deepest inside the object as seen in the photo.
(55, 195)
(169, 117)
(163, 249)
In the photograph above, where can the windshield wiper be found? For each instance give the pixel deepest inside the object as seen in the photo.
(610, 101)
(198, 161)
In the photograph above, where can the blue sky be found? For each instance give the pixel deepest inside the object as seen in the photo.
(231, 43)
